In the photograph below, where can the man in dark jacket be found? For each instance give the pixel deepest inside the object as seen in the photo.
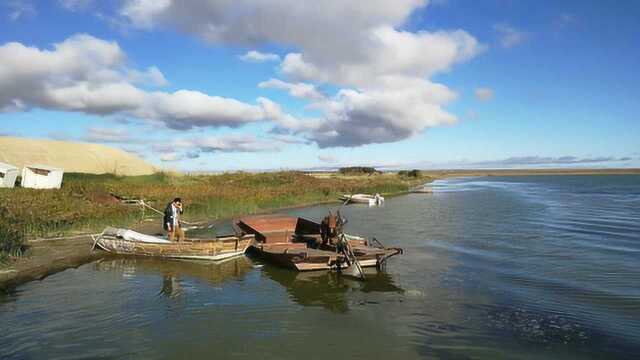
(171, 220)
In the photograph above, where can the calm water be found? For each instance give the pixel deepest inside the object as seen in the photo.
(494, 268)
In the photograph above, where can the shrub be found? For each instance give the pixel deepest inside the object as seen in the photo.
(415, 173)
(85, 203)
(11, 236)
(358, 170)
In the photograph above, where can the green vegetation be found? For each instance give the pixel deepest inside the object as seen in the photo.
(84, 203)
(11, 236)
(415, 173)
(358, 170)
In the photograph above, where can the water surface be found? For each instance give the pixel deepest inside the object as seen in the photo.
(494, 268)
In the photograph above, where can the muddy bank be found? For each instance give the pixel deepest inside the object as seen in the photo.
(47, 257)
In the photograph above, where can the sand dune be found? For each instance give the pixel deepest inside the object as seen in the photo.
(71, 156)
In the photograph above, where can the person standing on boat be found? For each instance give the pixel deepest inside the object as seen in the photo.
(171, 220)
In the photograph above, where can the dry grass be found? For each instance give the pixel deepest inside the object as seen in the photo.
(84, 202)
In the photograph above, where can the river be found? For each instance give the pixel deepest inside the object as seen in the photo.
(533, 267)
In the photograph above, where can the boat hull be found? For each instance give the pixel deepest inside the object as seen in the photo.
(301, 258)
(212, 250)
(362, 199)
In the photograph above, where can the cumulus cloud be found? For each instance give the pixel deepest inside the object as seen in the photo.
(263, 21)
(400, 109)
(484, 94)
(194, 147)
(509, 36)
(90, 75)
(384, 72)
(258, 57)
(233, 143)
(298, 90)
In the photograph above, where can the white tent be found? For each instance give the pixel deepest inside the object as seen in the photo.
(8, 175)
(41, 177)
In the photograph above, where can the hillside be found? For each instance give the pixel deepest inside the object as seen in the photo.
(72, 156)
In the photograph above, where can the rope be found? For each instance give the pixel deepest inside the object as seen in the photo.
(144, 204)
(63, 237)
(351, 256)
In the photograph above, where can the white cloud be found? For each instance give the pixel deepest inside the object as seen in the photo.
(152, 77)
(295, 23)
(235, 143)
(328, 158)
(509, 36)
(169, 157)
(399, 110)
(19, 9)
(194, 147)
(386, 95)
(90, 75)
(382, 52)
(110, 135)
(298, 90)
(75, 4)
(258, 57)
(484, 94)
(144, 11)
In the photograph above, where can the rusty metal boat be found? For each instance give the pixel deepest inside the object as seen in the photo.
(304, 245)
(128, 242)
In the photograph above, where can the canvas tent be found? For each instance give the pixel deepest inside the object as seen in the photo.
(41, 177)
(8, 175)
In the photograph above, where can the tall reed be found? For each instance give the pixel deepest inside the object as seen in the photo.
(85, 203)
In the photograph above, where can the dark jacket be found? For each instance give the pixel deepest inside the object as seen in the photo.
(168, 216)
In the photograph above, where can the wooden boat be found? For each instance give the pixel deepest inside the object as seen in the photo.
(305, 245)
(370, 200)
(128, 242)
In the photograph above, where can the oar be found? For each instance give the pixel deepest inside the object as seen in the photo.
(95, 239)
(350, 254)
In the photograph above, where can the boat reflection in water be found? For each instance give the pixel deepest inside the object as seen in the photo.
(174, 271)
(329, 289)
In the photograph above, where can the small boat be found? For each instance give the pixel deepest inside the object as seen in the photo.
(305, 245)
(129, 242)
(371, 200)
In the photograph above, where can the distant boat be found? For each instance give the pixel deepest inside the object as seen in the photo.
(371, 200)
(129, 242)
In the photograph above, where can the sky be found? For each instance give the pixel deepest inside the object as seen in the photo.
(270, 84)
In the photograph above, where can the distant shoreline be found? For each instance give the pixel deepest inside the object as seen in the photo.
(439, 174)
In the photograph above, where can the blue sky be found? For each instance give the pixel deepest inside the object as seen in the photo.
(212, 85)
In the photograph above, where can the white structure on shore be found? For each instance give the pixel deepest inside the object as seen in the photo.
(8, 175)
(41, 177)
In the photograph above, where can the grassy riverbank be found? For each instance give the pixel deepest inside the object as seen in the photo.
(84, 203)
